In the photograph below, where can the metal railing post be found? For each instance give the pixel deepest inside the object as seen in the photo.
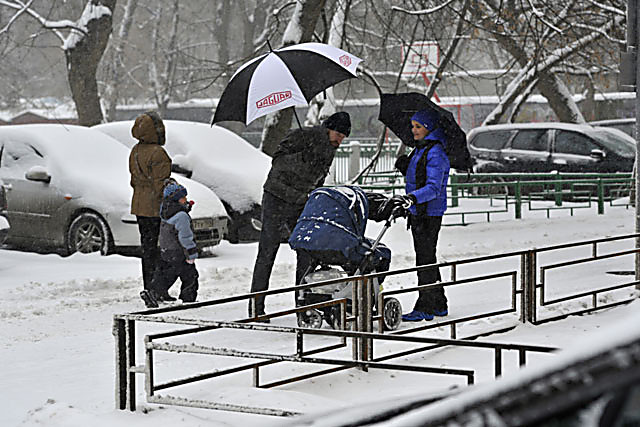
(130, 333)
(369, 315)
(558, 190)
(600, 197)
(529, 289)
(454, 190)
(122, 376)
(354, 159)
(518, 195)
(497, 362)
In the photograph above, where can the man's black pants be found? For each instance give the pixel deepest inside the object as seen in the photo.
(425, 230)
(278, 220)
(149, 228)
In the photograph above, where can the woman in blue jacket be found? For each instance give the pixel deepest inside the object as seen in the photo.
(426, 172)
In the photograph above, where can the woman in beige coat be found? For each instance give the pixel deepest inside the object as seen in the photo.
(150, 166)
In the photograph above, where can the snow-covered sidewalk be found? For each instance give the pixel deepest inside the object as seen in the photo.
(57, 355)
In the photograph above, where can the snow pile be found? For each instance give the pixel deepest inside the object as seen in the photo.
(218, 158)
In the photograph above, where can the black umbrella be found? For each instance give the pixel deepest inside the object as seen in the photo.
(396, 111)
(282, 78)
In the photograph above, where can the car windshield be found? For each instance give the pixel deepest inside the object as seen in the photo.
(615, 143)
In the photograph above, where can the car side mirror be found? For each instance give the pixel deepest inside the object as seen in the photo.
(598, 154)
(38, 173)
(182, 171)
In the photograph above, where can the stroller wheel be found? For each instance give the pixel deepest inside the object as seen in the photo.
(310, 319)
(391, 314)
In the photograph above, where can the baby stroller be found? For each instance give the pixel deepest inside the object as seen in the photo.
(330, 233)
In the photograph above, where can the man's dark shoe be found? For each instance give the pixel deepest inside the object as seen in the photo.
(149, 299)
(261, 320)
(164, 296)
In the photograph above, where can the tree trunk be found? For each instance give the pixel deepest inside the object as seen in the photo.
(83, 58)
(299, 30)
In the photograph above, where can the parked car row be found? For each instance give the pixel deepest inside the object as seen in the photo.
(218, 158)
(67, 187)
(547, 147)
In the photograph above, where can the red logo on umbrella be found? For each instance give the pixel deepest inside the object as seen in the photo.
(345, 60)
(273, 99)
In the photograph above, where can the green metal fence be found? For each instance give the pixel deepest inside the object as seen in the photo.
(515, 191)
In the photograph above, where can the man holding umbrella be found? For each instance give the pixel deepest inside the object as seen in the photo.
(300, 165)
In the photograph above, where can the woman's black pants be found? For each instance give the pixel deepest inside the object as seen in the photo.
(425, 230)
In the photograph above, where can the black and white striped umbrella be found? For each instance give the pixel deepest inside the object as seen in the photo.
(282, 78)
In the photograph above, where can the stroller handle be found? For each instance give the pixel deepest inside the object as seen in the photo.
(374, 246)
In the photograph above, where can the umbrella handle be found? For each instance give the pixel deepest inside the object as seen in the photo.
(295, 113)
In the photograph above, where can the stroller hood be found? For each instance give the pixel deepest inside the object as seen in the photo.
(332, 219)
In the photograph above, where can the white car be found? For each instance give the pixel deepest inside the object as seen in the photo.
(218, 158)
(68, 187)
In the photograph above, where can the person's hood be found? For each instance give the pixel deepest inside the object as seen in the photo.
(149, 128)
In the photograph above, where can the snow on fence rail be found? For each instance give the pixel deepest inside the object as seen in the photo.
(561, 277)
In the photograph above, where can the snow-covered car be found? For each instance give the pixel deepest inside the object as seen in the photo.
(68, 187)
(595, 383)
(547, 147)
(218, 158)
(4, 223)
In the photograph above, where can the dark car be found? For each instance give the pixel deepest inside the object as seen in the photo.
(547, 147)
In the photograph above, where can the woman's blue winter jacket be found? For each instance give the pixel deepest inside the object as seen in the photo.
(434, 193)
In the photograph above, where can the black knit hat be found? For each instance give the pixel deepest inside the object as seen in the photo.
(340, 122)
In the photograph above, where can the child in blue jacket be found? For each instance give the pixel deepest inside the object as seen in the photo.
(178, 250)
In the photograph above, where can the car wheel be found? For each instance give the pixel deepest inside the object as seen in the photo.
(88, 233)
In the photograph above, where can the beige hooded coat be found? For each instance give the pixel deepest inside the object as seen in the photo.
(149, 165)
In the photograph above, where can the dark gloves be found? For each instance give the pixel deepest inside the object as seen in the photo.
(402, 164)
(396, 206)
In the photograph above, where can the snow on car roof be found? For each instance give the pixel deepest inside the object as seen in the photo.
(224, 161)
(537, 125)
(583, 128)
(84, 162)
(70, 156)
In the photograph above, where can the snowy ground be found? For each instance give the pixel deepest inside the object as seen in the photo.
(57, 355)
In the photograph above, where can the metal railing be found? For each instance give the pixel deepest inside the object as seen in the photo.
(523, 292)
(515, 192)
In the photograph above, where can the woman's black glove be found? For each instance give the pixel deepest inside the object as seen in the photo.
(396, 206)
(402, 164)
